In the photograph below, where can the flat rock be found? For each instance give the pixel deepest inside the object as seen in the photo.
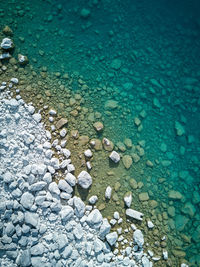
(53, 188)
(114, 156)
(84, 180)
(127, 161)
(24, 258)
(134, 214)
(174, 195)
(37, 186)
(61, 123)
(111, 104)
(71, 179)
(37, 249)
(144, 196)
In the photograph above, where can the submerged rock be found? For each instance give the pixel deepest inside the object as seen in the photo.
(107, 144)
(98, 126)
(174, 195)
(7, 43)
(127, 161)
(111, 104)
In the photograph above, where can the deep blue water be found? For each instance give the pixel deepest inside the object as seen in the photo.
(157, 47)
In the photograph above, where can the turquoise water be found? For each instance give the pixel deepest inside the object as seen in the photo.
(144, 55)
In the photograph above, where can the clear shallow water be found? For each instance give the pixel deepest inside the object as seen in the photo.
(157, 48)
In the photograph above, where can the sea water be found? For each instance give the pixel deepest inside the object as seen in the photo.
(143, 57)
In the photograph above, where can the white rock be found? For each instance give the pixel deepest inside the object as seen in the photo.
(134, 214)
(84, 180)
(66, 213)
(55, 163)
(94, 218)
(53, 188)
(37, 117)
(71, 179)
(27, 200)
(79, 207)
(138, 238)
(116, 215)
(6, 43)
(114, 156)
(93, 200)
(63, 185)
(31, 109)
(88, 165)
(66, 153)
(37, 186)
(88, 153)
(150, 224)
(108, 192)
(128, 199)
(5, 55)
(41, 168)
(52, 112)
(112, 238)
(63, 133)
(14, 80)
(165, 255)
(65, 195)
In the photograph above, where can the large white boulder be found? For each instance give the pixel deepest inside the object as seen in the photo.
(84, 180)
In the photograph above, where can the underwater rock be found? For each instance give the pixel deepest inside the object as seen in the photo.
(189, 209)
(128, 143)
(7, 43)
(116, 64)
(107, 144)
(7, 31)
(135, 157)
(61, 123)
(144, 196)
(133, 183)
(98, 126)
(88, 153)
(114, 156)
(180, 222)
(85, 13)
(5, 56)
(121, 146)
(96, 144)
(83, 139)
(179, 129)
(172, 194)
(111, 104)
(127, 161)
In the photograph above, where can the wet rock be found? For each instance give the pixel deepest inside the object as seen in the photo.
(121, 146)
(175, 195)
(84, 180)
(108, 192)
(83, 140)
(128, 199)
(189, 209)
(138, 238)
(133, 183)
(114, 156)
(107, 144)
(127, 161)
(96, 144)
(98, 126)
(111, 104)
(7, 43)
(178, 253)
(128, 143)
(144, 196)
(62, 122)
(135, 157)
(134, 214)
(23, 60)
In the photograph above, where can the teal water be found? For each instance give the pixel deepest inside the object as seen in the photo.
(144, 55)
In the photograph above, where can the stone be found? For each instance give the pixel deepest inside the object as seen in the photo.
(133, 183)
(67, 251)
(79, 207)
(179, 129)
(104, 229)
(7, 43)
(107, 144)
(112, 238)
(134, 214)
(62, 122)
(5, 56)
(7, 31)
(10, 229)
(108, 192)
(189, 209)
(150, 224)
(180, 222)
(37, 249)
(37, 186)
(66, 213)
(88, 153)
(138, 238)
(114, 156)
(63, 185)
(23, 60)
(98, 126)
(175, 195)
(27, 200)
(93, 200)
(24, 258)
(83, 140)
(116, 64)
(53, 188)
(85, 13)
(144, 196)
(84, 180)
(8, 177)
(111, 104)
(96, 144)
(94, 218)
(128, 199)
(121, 146)
(127, 161)
(31, 218)
(71, 179)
